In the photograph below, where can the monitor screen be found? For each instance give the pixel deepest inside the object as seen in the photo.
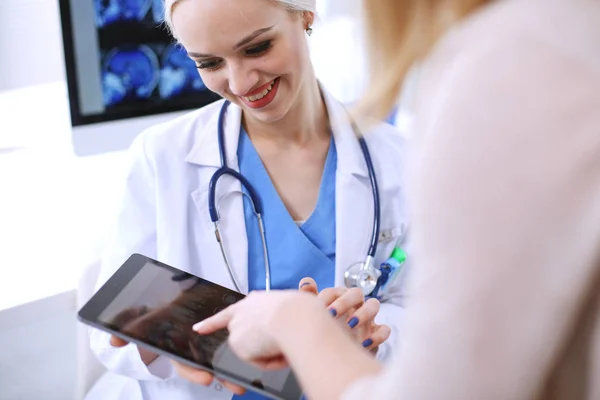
(121, 62)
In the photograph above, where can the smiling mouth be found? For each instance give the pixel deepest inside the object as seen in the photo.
(260, 95)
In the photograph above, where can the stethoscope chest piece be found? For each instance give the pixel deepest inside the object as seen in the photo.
(362, 275)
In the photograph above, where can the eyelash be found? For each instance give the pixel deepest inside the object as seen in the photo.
(259, 49)
(256, 51)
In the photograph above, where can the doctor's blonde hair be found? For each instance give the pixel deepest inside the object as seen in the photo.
(292, 5)
(400, 33)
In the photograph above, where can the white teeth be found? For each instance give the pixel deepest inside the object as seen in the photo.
(260, 95)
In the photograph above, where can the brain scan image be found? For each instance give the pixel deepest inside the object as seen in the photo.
(111, 11)
(158, 11)
(178, 74)
(128, 74)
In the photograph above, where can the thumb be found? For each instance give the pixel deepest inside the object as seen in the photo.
(117, 342)
(308, 285)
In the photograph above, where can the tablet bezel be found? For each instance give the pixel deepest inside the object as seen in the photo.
(90, 312)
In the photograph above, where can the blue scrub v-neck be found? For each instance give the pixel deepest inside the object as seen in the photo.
(294, 251)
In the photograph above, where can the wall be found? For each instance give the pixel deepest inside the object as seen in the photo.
(30, 43)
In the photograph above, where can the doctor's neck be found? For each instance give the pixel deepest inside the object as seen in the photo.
(305, 121)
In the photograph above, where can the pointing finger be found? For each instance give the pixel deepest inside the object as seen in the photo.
(218, 321)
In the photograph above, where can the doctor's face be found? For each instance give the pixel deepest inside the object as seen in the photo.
(252, 52)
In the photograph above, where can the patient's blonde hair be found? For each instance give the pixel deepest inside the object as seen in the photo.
(400, 32)
(292, 5)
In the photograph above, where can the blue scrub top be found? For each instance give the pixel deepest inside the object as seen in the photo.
(294, 251)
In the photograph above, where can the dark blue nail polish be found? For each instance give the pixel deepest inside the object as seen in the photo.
(333, 312)
(367, 343)
(353, 322)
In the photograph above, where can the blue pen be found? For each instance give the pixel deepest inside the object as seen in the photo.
(389, 272)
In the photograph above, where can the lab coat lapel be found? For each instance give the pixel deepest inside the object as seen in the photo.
(354, 201)
(205, 156)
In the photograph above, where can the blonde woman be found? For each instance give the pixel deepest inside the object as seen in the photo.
(505, 303)
(294, 145)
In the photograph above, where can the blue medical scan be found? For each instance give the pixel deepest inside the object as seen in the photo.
(179, 74)
(140, 63)
(134, 73)
(111, 11)
(158, 7)
(129, 74)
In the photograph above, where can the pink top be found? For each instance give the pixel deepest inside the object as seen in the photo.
(505, 302)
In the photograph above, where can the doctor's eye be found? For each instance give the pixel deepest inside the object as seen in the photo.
(259, 49)
(209, 65)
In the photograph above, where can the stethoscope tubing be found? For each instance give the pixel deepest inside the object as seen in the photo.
(257, 204)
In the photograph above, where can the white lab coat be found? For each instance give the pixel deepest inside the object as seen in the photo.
(164, 215)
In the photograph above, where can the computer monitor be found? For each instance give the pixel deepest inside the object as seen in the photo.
(124, 72)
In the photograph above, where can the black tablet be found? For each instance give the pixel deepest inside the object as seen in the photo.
(155, 306)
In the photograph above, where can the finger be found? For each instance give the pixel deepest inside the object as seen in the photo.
(379, 335)
(329, 295)
(308, 285)
(218, 321)
(351, 298)
(232, 387)
(365, 314)
(203, 378)
(117, 342)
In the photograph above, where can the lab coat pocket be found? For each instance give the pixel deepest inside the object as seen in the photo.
(387, 241)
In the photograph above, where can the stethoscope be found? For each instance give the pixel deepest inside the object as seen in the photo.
(363, 274)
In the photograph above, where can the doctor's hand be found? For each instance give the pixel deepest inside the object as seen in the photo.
(203, 378)
(350, 308)
(129, 318)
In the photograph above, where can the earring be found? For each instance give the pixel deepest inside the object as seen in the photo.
(309, 30)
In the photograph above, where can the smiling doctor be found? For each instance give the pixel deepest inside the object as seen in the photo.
(305, 166)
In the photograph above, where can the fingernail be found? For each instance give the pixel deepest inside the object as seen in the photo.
(353, 322)
(333, 312)
(367, 343)
(197, 326)
(304, 284)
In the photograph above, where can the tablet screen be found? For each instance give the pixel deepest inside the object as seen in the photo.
(158, 305)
